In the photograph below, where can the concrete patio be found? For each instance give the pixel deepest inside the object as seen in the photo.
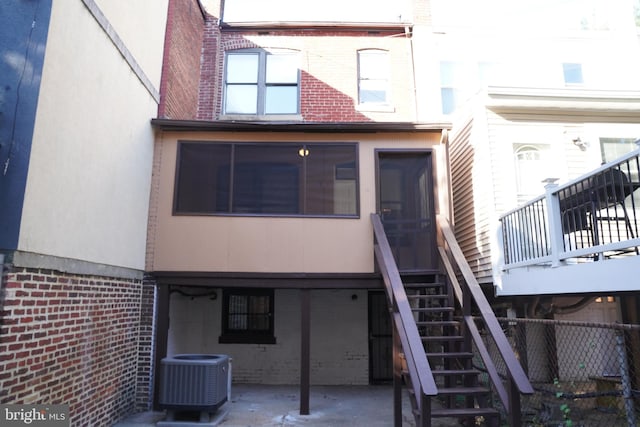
(260, 405)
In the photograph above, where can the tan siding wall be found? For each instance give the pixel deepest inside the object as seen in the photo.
(267, 244)
(473, 190)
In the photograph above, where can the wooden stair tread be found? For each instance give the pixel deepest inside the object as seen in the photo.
(462, 390)
(428, 296)
(434, 338)
(450, 354)
(456, 372)
(423, 285)
(433, 309)
(462, 412)
(438, 323)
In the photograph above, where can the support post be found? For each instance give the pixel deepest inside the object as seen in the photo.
(425, 410)
(515, 412)
(397, 378)
(626, 382)
(554, 219)
(305, 349)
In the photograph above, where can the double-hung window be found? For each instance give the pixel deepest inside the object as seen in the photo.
(260, 83)
(275, 179)
(373, 77)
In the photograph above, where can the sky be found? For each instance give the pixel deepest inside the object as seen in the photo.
(325, 11)
(567, 14)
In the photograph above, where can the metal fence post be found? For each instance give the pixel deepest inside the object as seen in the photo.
(624, 376)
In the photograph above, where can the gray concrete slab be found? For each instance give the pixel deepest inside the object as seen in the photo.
(265, 406)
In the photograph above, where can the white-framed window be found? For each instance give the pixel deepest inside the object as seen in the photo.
(259, 82)
(452, 82)
(572, 73)
(530, 170)
(612, 148)
(373, 77)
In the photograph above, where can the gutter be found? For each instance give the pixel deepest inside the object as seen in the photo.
(315, 26)
(271, 126)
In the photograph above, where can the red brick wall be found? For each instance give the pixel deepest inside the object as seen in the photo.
(181, 64)
(329, 70)
(146, 350)
(75, 340)
(210, 73)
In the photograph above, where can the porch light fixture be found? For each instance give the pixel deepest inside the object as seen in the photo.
(582, 145)
(303, 152)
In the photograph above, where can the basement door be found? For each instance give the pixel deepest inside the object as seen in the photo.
(406, 207)
(380, 339)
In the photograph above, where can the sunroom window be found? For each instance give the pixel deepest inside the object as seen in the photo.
(319, 179)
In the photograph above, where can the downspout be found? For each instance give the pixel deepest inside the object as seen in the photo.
(409, 34)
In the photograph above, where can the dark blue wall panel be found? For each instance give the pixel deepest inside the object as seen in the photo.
(24, 25)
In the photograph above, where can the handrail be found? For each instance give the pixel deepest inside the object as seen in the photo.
(421, 376)
(594, 214)
(475, 334)
(514, 369)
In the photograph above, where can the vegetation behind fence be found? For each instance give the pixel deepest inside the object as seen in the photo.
(584, 374)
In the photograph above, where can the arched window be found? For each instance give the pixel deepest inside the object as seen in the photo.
(530, 171)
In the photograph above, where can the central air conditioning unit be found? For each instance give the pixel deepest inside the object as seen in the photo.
(194, 382)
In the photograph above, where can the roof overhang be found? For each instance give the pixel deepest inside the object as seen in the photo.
(316, 26)
(565, 102)
(309, 127)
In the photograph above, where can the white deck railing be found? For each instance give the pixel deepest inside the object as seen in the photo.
(595, 217)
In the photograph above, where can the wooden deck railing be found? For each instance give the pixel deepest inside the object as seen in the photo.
(470, 296)
(422, 380)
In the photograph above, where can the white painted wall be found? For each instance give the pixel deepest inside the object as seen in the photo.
(89, 176)
(339, 338)
(140, 24)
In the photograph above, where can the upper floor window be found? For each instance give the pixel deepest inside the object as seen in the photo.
(258, 82)
(572, 73)
(267, 179)
(373, 77)
(452, 82)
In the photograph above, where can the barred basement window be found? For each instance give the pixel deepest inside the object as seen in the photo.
(247, 316)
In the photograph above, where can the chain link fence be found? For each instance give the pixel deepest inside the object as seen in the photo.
(584, 374)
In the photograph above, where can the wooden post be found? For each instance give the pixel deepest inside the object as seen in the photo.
(425, 410)
(515, 412)
(397, 378)
(305, 349)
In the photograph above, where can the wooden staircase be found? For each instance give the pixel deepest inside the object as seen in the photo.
(436, 341)
(461, 395)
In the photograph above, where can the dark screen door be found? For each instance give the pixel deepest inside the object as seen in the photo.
(405, 204)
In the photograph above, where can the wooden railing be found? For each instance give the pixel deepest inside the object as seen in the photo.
(422, 380)
(471, 298)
